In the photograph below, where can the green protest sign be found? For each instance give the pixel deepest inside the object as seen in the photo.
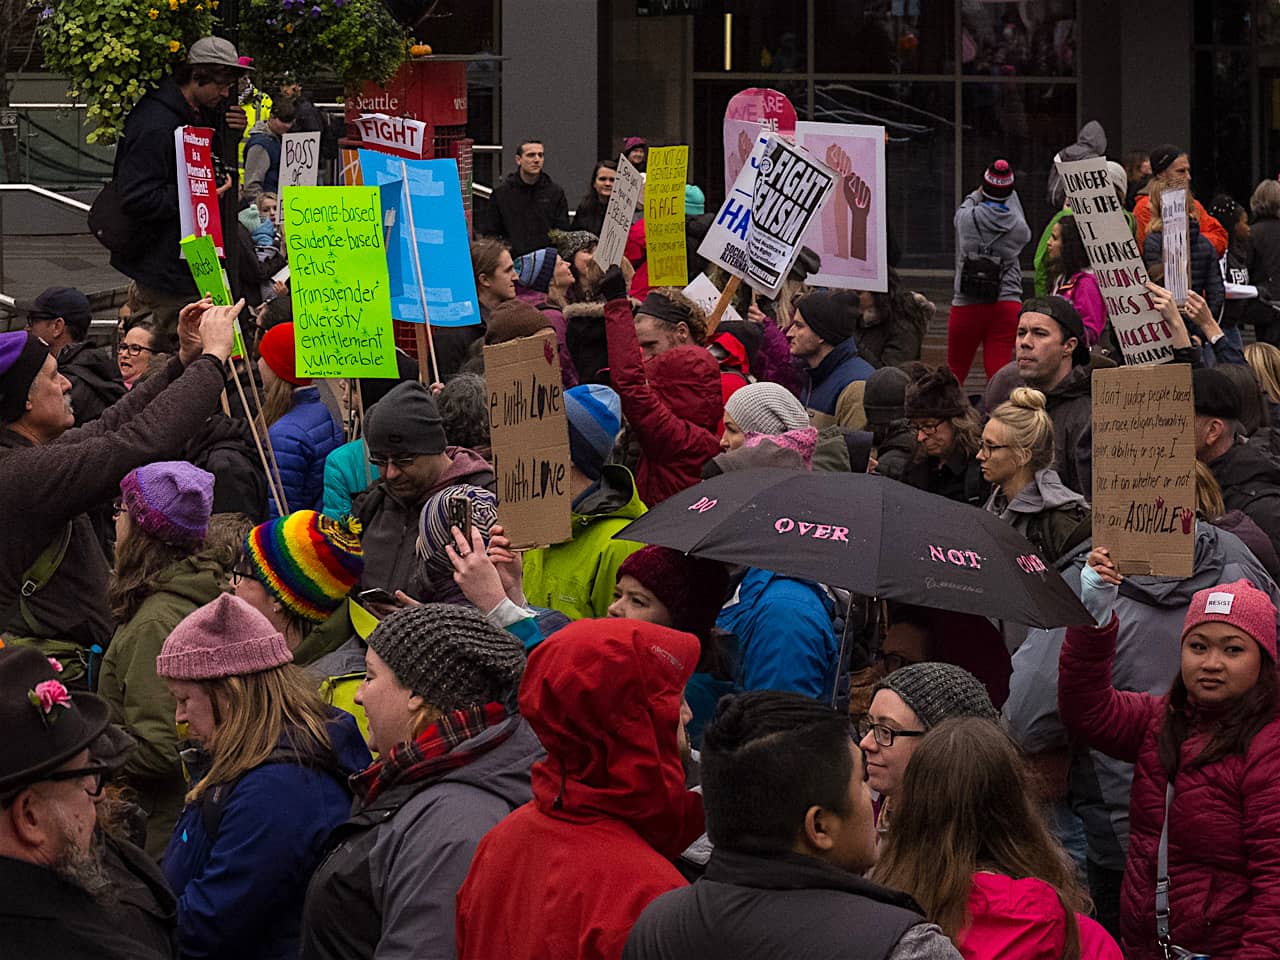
(210, 278)
(338, 278)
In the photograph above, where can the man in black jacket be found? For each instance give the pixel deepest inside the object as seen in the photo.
(146, 174)
(60, 317)
(788, 810)
(526, 205)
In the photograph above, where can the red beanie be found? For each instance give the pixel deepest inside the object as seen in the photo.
(691, 588)
(277, 349)
(1240, 604)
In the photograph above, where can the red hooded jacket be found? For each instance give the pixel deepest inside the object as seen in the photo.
(672, 402)
(1024, 920)
(566, 876)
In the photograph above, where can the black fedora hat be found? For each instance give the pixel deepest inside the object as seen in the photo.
(44, 726)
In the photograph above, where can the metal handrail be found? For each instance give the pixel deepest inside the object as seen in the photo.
(47, 194)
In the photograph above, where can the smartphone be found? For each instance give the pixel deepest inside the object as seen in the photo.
(459, 513)
(377, 595)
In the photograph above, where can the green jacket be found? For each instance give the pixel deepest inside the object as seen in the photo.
(140, 701)
(577, 577)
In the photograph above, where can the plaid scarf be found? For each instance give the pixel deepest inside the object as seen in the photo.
(433, 753)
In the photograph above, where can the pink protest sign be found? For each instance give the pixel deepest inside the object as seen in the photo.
(746, 111)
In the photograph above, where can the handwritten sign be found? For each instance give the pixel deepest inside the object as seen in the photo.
(726, 241)
(299, 159)
(1174, 244)
(198, 212)
(1144, 336)
(618, 215)
(529, 434)
(338, 281)
(210, 277)
(664, 239)
(1144, 491)
(791, 187)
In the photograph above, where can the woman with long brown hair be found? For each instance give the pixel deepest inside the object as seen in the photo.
(269, 782)
(969, 844)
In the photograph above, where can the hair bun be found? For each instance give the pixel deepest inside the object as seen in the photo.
(1028, 398)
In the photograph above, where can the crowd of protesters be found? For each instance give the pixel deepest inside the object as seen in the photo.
(264, 696)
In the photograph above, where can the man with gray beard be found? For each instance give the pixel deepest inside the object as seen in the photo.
(53, 887)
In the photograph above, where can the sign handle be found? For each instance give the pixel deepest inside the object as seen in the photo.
(277, 493)
(423, 334)
(364, 444)
(726, 295)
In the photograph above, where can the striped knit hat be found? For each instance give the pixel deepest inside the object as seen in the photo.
(536, 270)
(307, 561)
(435, 533)
(595, 417)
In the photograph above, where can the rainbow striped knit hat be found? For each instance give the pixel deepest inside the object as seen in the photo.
(308, 561)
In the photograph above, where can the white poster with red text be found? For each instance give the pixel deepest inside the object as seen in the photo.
(197, 187)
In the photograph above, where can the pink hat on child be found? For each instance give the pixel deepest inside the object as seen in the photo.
(224, 638)
(1240, 604)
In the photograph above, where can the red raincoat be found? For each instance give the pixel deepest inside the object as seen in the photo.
(1024, 920)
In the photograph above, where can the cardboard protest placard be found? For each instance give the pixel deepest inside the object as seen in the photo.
(210, 277)
(1144, 458)
(705, 294)
(666, 170)
(198, 211)
(299, 159)
(1144, 336)
(440, 232)
(726, 241)
(791, 187)
(619, 215)
(529, 436)
(1174, 243)
(338, 279)
(745, 112)
(850, 233)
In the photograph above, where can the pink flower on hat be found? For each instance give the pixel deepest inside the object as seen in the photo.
(46, 696)
(57, 667)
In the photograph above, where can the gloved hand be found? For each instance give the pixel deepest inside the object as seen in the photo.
(1098, 596)
(613, 285)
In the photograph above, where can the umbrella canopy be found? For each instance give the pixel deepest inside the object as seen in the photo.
(868, 534)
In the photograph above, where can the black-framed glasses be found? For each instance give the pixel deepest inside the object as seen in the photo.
(243, 570)
(883, 735)
(117, 507)
(98, 771)
(401, 463)
(990, 448)
(927, 426)
(34, 318)
(133, 349)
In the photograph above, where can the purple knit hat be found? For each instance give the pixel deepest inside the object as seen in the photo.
(1240, 604)
(22, 354)
(224, 638)
(170, 500)
(691, 588)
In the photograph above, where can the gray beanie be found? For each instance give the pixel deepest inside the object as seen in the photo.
(766, 407)
(939, 691)
(449, 655)
(405, 423)
(885, 395)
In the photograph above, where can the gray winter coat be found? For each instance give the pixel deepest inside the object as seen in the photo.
(1054, 518)
(389, 885)
(1148, 656)
(987, 228)
(1092, 142)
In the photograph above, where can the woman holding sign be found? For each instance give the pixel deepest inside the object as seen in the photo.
(1203, 866)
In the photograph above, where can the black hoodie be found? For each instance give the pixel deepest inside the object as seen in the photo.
(1250, 483)
(95, 379)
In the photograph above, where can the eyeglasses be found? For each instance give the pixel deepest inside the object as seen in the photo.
(98, 771)
(883, 735)
(930, 426)
(401, 463)
(243, 570)
(34, 318)
(133, 349)
(990, 448)
(117, 507)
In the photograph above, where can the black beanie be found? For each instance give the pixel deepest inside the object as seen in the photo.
(1162, 157)
(832, 316)
(22, 354)
(405, 423)
(1214, 395)
(936, 395)
(884, 397)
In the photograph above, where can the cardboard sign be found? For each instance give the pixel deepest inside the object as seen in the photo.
(1174, 245)
(791, 187)
(726, 241)
(705, 294)
(748, 110)
(850, 234)
(338, 281)
(529, 436)
(299, 159)
(664, 239)
(619, 215)
(444, 245)
(1144, 335)
(1144, 459)
(198, 211)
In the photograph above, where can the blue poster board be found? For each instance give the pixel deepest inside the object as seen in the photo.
(444, 248)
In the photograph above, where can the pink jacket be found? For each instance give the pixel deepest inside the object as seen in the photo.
(1082, 290)
(1024, 920)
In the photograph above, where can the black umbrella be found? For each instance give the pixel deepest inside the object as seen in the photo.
(868, 534)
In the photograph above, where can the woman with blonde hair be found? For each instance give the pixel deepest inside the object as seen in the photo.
(1264, 361)
(1016, 454)
(969, 844)
(269, 783)
(1264, 248)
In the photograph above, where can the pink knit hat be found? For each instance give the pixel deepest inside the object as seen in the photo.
(224, 638)
(1240, 604)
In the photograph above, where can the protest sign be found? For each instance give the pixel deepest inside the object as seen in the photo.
(791, 187)
(198, 212)
(664, 239)
(299, 159)
(726, 241)
(704, 293)
(619, 215)
(529, 436)
(1144, 457)
(338, 279)
(440, 232)
(747, 110)
(210, 277)
(1144, 336)
(1174, 244)
(850, 234)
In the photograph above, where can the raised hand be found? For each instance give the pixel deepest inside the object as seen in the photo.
(857, 193)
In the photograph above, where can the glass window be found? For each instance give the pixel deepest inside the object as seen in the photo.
(874, 36)
(1223, 21)
(1221, 137)
(1018, 39)
(761, 38)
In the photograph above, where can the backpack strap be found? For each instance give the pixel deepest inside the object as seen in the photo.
(38, 575)
(214, 803)
(985, 247)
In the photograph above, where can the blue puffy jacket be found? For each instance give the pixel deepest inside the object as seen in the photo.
(824, 383)
(240, 894)
(301, 439)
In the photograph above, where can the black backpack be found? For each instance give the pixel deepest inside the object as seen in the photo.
(980, 275)
(108, 222)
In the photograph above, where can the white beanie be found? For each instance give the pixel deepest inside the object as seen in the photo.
(767, 408)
